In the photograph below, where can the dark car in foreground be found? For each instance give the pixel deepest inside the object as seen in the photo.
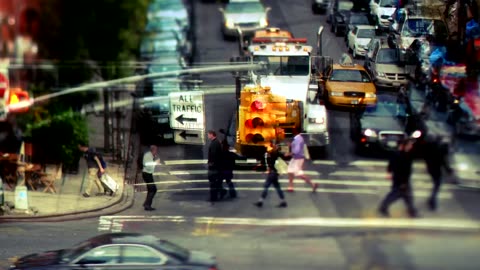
(120, 251)
(379, 127)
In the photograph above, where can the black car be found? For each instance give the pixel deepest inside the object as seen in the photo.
(339, 16)
(381, 126)
(356, 18)
(320, 6)
(120, 251)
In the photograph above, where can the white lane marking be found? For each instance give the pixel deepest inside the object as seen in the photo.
(236, 172)
(389, 223)
(341, 182)
(185, 162)
(416, 193)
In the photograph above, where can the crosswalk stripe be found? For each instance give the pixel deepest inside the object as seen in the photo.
(114, 223)
(417, 193)
(382, 175)
(343, 182)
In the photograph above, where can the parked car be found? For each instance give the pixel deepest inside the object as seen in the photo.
(120, 251)
(173, 9)
(338, 16)
(320, 6)
(356, 18)
(386, 64)
(381, 12)
(408, 26)
(246, 15)
(358, 39)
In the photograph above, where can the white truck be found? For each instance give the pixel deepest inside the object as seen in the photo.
(288, 76)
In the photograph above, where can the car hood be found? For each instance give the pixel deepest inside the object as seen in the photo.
(201, 258)
(390, 68)
(40, 259)
(291, 87)
(351, 86)
(363, 41)
(381, 123)
(406, 42)
(245, 17)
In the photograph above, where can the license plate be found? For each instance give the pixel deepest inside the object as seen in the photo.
(392, 144)
(168, 136)
(396, 84)
(354, 102)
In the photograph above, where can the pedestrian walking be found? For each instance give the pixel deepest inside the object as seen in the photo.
(436, 159)
(215, 155)
(271, 156)
(150, 160)
(295, 167)
(400, 168)
(95, 169)
(228, 164)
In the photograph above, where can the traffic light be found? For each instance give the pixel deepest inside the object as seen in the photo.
(18, 100)
(260, 112)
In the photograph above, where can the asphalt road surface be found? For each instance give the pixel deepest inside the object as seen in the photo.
(335, 228)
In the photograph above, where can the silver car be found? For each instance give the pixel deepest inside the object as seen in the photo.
(245, 15)
(385, 65)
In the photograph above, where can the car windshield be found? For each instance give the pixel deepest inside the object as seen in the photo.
(174, 250)
(366, 33)
(344, 75)
(345, 5)
(388, 3)
(284, 65)
(77, 250)
(359, 20)
(244, 7)
(422, 27)
(387, 56)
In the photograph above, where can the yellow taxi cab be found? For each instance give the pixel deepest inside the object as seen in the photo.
(349, 85)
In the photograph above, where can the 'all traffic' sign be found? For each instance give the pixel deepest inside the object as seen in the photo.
(187, 110)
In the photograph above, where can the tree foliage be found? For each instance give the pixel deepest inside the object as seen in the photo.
(105, 31)
(82, 39)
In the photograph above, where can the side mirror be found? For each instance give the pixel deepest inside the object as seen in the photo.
(268, 9)
(221, 10)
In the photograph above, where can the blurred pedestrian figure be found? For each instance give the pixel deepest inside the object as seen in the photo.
(95, 169)
(150, 160)
(271, 156)
(228, 164)
(295, 167)
(436, 159)
(400, 168)
(215, 154)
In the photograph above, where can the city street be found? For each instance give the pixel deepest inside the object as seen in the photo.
(335, 228)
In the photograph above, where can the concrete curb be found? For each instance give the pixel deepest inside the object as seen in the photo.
(124, 202)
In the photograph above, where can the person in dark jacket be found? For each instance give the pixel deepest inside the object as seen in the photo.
(271, 156)
(228, 164)
(436, 159)
(400, 168)
(215, 155)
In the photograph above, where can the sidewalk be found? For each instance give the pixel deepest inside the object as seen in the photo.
(68, 203)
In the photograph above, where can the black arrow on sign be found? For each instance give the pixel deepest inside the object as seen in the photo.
(184, 135)
(180, 119)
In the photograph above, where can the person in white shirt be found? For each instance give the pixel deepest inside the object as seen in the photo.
(150, 160)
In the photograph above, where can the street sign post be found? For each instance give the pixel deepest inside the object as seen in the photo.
(189, 136)
(187, 110)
